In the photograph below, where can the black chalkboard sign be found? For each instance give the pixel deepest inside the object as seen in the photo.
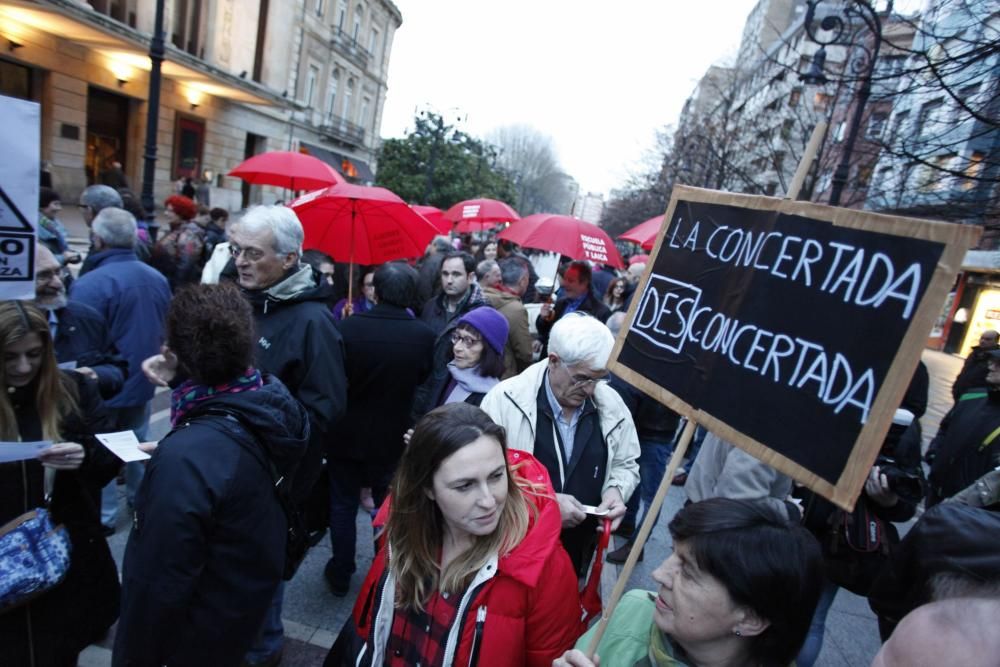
(790, 329)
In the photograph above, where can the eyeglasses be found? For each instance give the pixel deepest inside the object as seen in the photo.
(465, 339)
(47, 275)
(583, 380)
(251, 254)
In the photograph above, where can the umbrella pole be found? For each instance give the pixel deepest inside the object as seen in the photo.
(350, 267)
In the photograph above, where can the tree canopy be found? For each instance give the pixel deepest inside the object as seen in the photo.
(439, 165)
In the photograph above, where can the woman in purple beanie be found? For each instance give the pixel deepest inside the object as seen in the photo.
(475, 362)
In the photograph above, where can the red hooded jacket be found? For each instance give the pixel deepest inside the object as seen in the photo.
(528, 600)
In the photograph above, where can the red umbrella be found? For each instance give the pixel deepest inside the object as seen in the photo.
(361, 224)
(287, 169)
(435, 216)
(638, 259)
(565, 235)
(644, 233)
(473, 215)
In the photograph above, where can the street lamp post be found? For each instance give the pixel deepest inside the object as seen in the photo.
(838, 25)
(156, 53)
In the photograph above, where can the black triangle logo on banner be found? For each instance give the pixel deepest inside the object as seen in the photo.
(6, 203)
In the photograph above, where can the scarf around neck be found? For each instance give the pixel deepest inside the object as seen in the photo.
(468, 381)
(189, 393)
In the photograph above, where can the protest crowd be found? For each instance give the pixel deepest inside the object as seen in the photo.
(465, 404)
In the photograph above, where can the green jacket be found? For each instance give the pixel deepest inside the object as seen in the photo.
(630, 637)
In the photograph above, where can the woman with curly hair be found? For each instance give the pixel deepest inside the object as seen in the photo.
(615, 295)
(472, 571)
(40, 402)
(207, 548)
(179, 254)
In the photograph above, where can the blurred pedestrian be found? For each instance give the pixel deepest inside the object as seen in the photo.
(178, 254)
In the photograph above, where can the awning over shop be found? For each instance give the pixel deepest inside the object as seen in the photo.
(982, 261)
(352, 168)
(126, 49)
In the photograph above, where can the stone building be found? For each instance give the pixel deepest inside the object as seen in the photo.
(240, 77)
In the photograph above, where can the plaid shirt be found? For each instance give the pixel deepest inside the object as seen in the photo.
(418, 638)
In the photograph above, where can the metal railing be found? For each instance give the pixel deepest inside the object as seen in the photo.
(341, 129)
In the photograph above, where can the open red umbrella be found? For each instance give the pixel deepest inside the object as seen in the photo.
(361, 224)
(475, 215)
(287, 169)
(435, 216)
(565, 235)
(644, 233)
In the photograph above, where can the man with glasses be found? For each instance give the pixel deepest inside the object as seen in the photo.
(298, 342)
(80, 334)
(563, 412)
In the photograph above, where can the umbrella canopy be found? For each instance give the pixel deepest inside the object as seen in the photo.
(287, 169)
(638, 259)
(565, 235)
(644, 233)
(361, 224)
(435, 216)
(474, 215)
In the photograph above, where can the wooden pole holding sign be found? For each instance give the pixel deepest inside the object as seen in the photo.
(787, 328)
(652, 514)
(807, 159)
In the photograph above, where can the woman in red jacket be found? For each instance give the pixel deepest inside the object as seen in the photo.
(472, 571)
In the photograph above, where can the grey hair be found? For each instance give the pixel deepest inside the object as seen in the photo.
(579, 338)
(484, 267)
(116, 227)
(100, 197)
(512, 270)
(281, 221)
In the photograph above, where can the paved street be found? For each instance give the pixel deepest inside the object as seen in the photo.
(313, 616)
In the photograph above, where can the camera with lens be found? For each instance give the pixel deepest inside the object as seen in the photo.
(907, 485)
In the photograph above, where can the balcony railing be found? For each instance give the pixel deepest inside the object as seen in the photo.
(342, 130)
(349, 47)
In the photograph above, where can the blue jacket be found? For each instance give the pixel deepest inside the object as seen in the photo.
(83, 337)
(133, 299)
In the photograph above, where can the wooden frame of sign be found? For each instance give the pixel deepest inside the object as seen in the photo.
(789, 329)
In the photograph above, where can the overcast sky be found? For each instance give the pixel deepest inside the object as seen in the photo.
(598, 77)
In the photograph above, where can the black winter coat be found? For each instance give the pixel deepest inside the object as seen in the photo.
(298, 341)
(388, 355)
(973, 373)
(591, 305)
(207, 549)
(80, 610)
(966, 446)
(83, 336)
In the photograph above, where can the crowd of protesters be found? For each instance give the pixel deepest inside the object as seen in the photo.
(489, 447)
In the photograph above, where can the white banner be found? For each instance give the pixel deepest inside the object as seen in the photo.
(20, 135)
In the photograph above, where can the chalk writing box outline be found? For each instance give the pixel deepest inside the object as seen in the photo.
(955, 239)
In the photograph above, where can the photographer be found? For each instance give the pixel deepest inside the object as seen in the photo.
(857, 544)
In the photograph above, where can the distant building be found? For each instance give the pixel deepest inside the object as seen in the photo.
(240, 77)
(589, 207)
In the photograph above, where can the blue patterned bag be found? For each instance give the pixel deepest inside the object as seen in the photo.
(34, 557)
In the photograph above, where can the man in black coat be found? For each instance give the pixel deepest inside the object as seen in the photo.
(388, 355)
(298, 341)
(82, 339)
(577, 296)
(973, 373)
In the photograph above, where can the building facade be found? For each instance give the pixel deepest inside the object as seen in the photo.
(240, 77)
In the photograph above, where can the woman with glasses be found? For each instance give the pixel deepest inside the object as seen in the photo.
(472, 572)
(475, 362)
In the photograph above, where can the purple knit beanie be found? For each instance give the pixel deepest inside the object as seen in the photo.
(490, 324)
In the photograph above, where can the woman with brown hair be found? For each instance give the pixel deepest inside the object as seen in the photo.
(615, 295)
(40, 402)
(472, 570)
(207, 548)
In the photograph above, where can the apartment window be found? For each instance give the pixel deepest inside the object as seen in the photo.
(373, 42)
(899, 126)
(838, 132)
(966, 95)
(348, 94)
(188, 24)
(331, 93)
(359, 11)
(120, 10)
(864, 176)
(973, 169)
(876, 124)
(341, 15)
(311, 78)
(363, 112)
(794, 97)
(929, 119)
(821, 101)
(889, 67)
(932, 177)
(319, 7)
